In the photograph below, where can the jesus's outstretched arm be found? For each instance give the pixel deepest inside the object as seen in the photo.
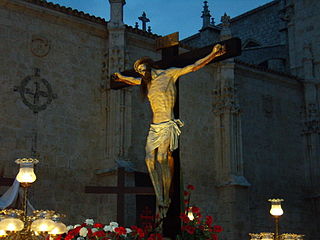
(118, 77)
(217, 51)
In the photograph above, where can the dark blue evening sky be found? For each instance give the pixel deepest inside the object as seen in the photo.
(167, 16)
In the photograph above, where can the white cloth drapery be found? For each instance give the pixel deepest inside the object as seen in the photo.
(10, 195)
(160, 132)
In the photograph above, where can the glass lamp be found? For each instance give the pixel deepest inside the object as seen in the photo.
(59, 228)
(276, 211)
(11, 224)
(42, 225)
(26, 173)
(2, 233)
(15, 224)
(190, 215)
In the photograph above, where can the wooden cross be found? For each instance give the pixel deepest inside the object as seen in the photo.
(233, 49)
(171, 58)
(120, 190)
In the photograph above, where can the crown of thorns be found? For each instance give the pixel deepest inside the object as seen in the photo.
(140, 61)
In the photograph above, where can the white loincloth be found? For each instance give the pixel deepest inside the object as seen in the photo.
(160, 132)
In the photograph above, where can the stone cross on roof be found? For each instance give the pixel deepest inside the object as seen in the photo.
(225, 31)
(143, 18)
(225, 19)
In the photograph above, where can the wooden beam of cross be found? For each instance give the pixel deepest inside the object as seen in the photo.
(120, 190)
(233, 49)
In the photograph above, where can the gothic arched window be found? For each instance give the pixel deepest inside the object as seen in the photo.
(250, 43)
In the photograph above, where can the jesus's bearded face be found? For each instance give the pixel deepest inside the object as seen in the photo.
(145, 71)
(142, 69)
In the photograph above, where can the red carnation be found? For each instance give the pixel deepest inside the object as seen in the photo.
(190, 187)
(75, 231)
(140, 232)
(195, 210)
(69, 237)
(189, 229)
(214, 236)
(134, 228)
(155, 236)
(99, 234)
(184, 218)
(120, 230)
(209, 220)
(185, 193)
(217, 228)
(89, 234)
(98, 225)
(137, 231)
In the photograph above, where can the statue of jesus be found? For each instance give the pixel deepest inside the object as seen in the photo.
(158, 86)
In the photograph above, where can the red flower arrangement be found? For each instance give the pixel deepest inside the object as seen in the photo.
(98, 231)
(194, 225)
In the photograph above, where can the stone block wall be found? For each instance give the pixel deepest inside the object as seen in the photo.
(69, 52)
(304, 30)
(196, 141)
(259, 25)
(261, 55)
(71, 131)
(272, 144)
(203, 38)
(273, 149)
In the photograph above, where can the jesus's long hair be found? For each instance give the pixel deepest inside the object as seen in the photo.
(146, 79)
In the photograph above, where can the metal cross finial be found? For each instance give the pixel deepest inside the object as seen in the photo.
(143, 18)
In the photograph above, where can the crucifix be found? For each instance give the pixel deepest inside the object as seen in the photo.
(157, 81)
(233, 49)
(143, 18)
(120, 190)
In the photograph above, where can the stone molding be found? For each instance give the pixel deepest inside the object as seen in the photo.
(227, 128)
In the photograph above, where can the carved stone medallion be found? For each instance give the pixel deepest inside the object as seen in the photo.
(36, 92)
(40, 46)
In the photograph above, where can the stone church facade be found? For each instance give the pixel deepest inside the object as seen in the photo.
(251, 123)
